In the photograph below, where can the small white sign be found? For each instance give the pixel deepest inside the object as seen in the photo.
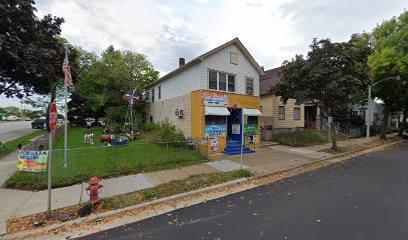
(236, 129)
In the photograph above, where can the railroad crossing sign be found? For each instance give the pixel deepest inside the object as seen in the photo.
(53, 117)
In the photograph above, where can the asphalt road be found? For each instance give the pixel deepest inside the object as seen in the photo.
(364, 198)
(14, 129)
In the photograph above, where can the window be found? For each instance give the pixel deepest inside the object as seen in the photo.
(231, 83)
(153, 95)
(151, 119)
(252, 120)
(233, 58)
(296, 113)
(159, 92)
(250, 86)
(213, 80)
(221, 81)
(214, 120)
(281, 113)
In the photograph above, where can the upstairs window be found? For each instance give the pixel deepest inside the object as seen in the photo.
(221, 81)
(234, 58)
(250, 86)
(153, 95)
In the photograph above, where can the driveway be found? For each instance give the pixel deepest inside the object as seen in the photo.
(15, 129)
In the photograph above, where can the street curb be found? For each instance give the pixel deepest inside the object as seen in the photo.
(326, 158)
(181, 195)
(131, 208)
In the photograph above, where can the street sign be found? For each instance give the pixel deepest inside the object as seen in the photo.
(53, 117)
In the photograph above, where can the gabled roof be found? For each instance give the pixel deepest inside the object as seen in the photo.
(200, 58)
(268, 80)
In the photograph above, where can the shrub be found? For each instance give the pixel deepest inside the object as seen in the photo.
(163, 132)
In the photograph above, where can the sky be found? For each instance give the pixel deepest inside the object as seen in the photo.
(272, 31)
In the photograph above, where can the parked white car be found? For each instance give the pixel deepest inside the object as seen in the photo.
(12, 118)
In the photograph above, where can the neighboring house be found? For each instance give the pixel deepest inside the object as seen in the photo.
(278, 117)
(206, 98)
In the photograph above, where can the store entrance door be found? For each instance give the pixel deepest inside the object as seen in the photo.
(234, 127)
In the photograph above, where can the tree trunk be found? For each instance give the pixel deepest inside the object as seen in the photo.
(404, 121)
(384, 125)
(333, 136)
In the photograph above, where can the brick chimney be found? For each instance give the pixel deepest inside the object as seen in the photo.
(182, 62)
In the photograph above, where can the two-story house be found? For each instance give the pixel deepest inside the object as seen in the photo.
(212, 98)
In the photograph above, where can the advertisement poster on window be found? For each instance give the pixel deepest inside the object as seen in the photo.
(215, 130)
(248, 139)
(236, 129)
(251, 129)
(214, 144)
(214, 99)
(32, 161)
(255, 139)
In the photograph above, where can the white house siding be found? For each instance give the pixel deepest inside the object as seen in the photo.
(220, 61)
(162, 110)
(178, 85)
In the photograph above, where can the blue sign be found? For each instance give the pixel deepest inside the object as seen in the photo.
(215, 130)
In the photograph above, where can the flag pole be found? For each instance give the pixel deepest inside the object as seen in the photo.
(66, 110)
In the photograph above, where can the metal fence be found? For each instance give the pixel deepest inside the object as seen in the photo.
(109, 161)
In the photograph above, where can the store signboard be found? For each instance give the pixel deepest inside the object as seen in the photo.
(214, 99)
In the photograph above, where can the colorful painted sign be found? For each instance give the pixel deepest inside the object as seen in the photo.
(32, 161)
(251, 129)
(214, 144)
(236, 129)
(215, 130)
(214, 99)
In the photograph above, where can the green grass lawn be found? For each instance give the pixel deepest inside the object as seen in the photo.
(86, 161)
(307, 137)
(11, 146)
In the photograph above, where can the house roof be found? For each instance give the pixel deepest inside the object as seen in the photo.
(200, 58)
(268, 80)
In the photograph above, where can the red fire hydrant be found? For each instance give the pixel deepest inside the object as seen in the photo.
(93, 189)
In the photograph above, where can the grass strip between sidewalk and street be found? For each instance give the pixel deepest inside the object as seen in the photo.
(175, 187)
(11, 146)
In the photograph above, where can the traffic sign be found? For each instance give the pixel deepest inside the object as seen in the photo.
(53, 117)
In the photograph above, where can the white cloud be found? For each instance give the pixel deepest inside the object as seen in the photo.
(165, 30)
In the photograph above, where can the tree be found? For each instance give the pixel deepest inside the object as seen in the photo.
(30, 54)
(389, 64)
(327, 77)
(109, 77)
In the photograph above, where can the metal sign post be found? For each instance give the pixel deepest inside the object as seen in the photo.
(53, 119)
(242, 135)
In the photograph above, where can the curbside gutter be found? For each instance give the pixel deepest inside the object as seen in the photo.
(182, 195)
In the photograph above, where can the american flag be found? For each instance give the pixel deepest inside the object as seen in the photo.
(67, 70)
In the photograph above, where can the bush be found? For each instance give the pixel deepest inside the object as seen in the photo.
(163, 132)
(306, 137)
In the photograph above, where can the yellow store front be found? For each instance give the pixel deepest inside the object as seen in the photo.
(222, 121)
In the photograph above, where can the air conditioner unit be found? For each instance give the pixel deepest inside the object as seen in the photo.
(181, 113)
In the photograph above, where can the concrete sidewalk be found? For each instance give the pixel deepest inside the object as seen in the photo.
(269, 159)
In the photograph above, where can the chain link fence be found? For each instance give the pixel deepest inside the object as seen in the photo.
(111, 161)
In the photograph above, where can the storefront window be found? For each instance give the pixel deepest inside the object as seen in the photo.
(215, 126)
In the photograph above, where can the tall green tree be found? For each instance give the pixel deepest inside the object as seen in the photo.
(327, 77)
(30, 53)
(115, 72)
(389, 64)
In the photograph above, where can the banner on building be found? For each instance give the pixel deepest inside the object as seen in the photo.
(215, 130)
(251, 129)
(214, 99)
(32, 161)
